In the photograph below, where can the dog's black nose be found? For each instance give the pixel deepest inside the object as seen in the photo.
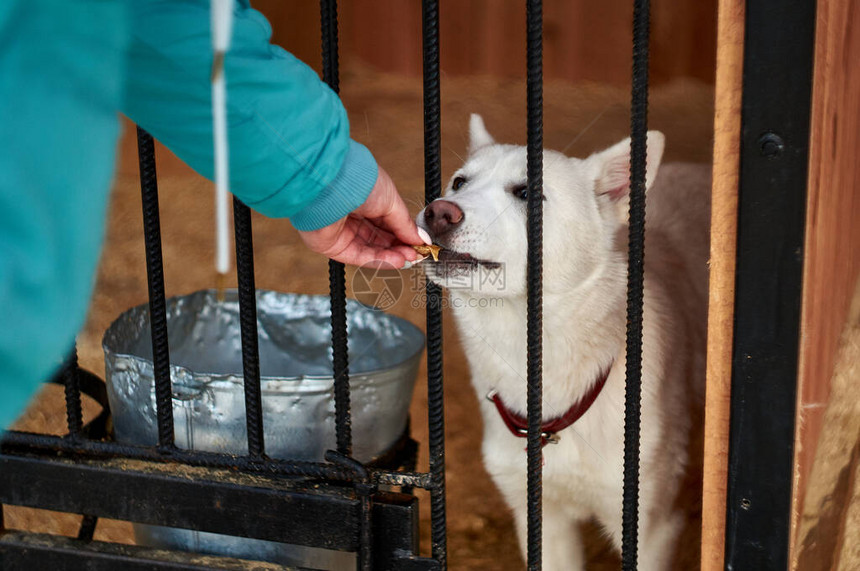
(442, 216)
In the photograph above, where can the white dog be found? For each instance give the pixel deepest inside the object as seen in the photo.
(481, 223)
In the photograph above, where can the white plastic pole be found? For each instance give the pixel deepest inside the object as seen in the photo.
(222, 28)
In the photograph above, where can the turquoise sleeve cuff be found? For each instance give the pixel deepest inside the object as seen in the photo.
(345, 193)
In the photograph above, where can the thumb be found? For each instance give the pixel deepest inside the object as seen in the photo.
(400, 223)
(387, 209)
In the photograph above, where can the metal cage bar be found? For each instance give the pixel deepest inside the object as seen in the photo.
(14, 441)
(432, 191)
(291, 510)
(337, 273)
(534, 312)
(155, 281)
(635, 283)
(87, 528)
(22, 550)
(248, 326)
(339, 337)
(71, 379)
(72, 390)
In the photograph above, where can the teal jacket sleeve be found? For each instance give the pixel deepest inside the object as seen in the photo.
(290, 151)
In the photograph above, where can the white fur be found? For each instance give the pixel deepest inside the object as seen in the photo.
(584, 319)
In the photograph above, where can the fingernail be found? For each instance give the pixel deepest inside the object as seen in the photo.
(425, 236)
(406, 265)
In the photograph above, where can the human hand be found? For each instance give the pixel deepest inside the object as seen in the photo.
(379, 233)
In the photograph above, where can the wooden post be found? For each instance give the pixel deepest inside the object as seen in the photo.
(724, 212)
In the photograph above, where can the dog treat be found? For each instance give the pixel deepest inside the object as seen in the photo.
(431, 250)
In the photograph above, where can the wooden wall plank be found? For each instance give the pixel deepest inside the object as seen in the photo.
(724, 211)
(827, 531)
(832, 251)
(583, 41)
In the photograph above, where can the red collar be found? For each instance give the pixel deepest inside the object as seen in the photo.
(518, 425)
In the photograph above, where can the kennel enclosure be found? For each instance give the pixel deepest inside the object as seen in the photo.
(785, 189)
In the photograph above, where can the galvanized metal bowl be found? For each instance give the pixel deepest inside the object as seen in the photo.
(296, 381)
(295, 367)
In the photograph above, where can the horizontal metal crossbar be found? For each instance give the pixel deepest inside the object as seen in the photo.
(21, 550)
(291, 510)
(202, 499)
(26, 442)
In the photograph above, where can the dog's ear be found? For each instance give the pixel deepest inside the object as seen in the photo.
(613, 166)
(479, 137)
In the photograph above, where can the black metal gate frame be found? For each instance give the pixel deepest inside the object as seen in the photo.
(334, 504)
(337, 504)
(776, 104)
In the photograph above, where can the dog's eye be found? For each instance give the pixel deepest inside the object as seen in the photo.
(521, 191)
(458, 182)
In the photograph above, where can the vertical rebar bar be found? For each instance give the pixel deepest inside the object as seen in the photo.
(330, 52)
(432, 190)
(74, 419)
(336, 272)
(87, 528)
(248, 324)
(337, 290)
(635, 284)
(155, 280)
(72, 388)
(534, 318)
(365, 554)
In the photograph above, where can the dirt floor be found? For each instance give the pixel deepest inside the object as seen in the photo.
(386, 114)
